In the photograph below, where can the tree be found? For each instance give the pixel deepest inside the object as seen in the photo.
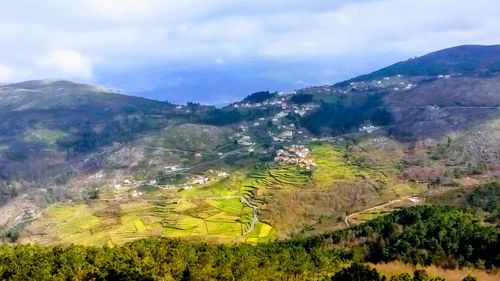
(301, 98)
(358, 272)
(86, 141)
(258, 97)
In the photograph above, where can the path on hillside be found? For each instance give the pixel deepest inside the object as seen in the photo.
(400, 199)
(221, 157)
(255, 215)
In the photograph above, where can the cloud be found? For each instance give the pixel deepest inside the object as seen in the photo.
(68, 63)
(120, 10)
(6, 73)
(65, 38)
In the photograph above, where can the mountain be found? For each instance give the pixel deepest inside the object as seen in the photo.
(47, 125)
(466, 59)
(81, 164)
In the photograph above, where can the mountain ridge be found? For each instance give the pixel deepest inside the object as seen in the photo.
(452, 60)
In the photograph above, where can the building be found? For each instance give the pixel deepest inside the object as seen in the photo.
(295, 155)
(286, 134)
(368, 129)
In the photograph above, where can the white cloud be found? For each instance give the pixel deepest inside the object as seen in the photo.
(6, 73)
(63, 38)
(68, 63)
(121, 10)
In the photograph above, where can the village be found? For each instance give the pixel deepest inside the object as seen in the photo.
(285, 141)
(295, 155)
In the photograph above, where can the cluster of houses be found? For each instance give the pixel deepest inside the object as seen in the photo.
(244, 140)
(272, 102)
(396, 82)
(199, 180)
(280, 101)
(368, 129)
(123, 184)
(441, 76)
(295, 155)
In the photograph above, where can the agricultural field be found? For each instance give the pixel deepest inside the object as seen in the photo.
(220, 212)
(99, 223)
(338, 163)
(240, 207)
(347, 179)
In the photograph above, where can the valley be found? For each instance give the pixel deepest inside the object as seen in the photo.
(330, 175)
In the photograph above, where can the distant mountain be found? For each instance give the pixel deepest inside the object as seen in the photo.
(46, 125)
(464, 59)
(62, 94)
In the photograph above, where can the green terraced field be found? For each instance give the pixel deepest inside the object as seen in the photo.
(216, 211)
(332, 165)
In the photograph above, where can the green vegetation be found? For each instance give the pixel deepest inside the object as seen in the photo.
(426, 235)
(485, 198)
(220, 219)
(347, 114)
(47, 136)
(259, 97)
(461, 59)
(331, 165)
(341, 163)
(213, 212)
(229, 115)
(301, 98)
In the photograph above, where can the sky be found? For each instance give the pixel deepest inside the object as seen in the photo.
(217, 51)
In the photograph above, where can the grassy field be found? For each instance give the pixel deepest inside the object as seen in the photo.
(336, 163)
(44, 135)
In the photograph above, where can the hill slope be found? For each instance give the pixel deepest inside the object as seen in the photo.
(466, 59)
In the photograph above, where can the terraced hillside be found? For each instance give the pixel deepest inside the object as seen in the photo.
(235, 208)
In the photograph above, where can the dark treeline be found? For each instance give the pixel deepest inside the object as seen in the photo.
(259, 97)
(301, 98)
(486, 198)
(347, 114)
(442, 236)
(227, 116)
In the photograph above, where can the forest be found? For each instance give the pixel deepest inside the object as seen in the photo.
(347, 114)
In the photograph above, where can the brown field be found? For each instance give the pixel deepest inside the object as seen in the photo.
(395, 268)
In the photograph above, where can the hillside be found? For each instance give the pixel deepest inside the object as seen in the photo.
(81, 164)
(466, 59)
(57, 119)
